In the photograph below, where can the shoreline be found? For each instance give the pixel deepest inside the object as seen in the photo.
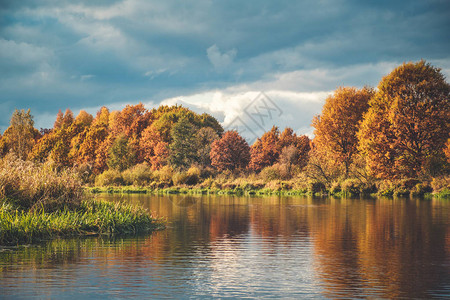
(238, 191)
(92, 218)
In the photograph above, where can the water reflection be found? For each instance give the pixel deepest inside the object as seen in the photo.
(255, 247)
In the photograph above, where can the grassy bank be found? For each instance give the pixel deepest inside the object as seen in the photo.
(141, 179)
(396, 192)
(91, 217)
(41, 201)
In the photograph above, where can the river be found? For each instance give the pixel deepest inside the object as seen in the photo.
(252, 247)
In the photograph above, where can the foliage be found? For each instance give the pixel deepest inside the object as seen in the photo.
(138, 175)
(403, 134)
(108, 178)
(230, 152)
(121, 154)
(20, 135)
(203, 139)
(266, 150)
(408, 121)
(182, 149)
(337, 125)
(321, 168)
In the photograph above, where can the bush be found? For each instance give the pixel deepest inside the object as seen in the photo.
(441, 183)
(33, 185)
(351, 186)
(335, 188)
(139, 175)
(179, 178)
(164, 175)
(108, 178)
(385, 188)
(421, 189)
(316, 187)
(271, 173)
(85, 173)
(193, 175)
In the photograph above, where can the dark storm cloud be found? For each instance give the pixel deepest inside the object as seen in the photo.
(59, 54)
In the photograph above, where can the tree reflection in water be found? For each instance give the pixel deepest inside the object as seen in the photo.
(336, 247)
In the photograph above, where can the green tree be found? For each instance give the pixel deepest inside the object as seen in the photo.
(121, 155)
(182, 149)
(204, 138)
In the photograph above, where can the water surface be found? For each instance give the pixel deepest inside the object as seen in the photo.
(228, 247)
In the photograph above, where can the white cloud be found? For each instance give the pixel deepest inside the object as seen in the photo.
(297, 109)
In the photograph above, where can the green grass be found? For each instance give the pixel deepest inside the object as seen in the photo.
(19, 226)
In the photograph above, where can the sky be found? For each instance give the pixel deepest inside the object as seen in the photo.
(251, 64)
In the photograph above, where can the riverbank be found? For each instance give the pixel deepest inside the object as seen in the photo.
(242, 191)
(41, 201)
(141, 179)
(92, 217)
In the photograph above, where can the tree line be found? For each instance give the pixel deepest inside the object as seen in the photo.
(398, 130)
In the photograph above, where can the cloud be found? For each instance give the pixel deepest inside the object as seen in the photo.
(59, 54)
(235, 109)
(220, 61)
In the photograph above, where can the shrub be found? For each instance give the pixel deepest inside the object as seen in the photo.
(139, 175)
(85, 173)
(441, 183)
(108, 178)
(316, 187)
(420, 189)
(193, 175)
(33, 185)
(335, 188)
(351, 186)
(271, 173)
(164, 175)
(179, 178)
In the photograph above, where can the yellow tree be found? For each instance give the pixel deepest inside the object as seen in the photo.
(337, 125)
(21, 135)
(408, 122)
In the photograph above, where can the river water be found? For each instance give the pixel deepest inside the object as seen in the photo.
(228, 247)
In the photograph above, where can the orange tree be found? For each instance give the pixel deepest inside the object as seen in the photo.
(230, 152)
(407, 124)
(337, 125)
(266, 150)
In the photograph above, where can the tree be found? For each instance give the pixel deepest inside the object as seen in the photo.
(408, 122)
(78, 132)
(266, 150)
(21, 135)
(63, 120)
(182, 149)
(204, 138)
(230, 152)
(131, 121)
(336, 127)
(289, 157)
(161, 156)
(301, 143)
(95, 135)
(121, 156)
(59, 120)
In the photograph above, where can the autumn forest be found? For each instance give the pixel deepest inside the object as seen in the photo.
(393, 139)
